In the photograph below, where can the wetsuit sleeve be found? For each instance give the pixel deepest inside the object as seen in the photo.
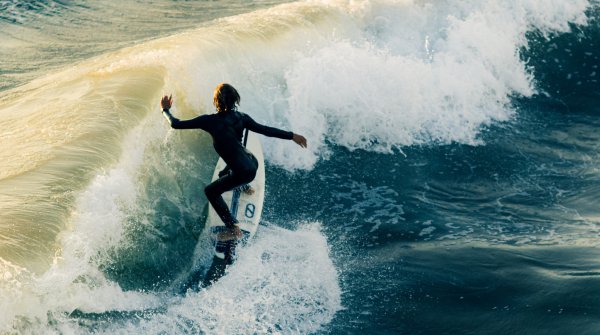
(194, 123)
(265, 130)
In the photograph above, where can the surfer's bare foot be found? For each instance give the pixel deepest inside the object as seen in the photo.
(246, 188)
(232, 233)
(236, 231)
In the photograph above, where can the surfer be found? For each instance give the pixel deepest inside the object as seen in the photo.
(226, 127)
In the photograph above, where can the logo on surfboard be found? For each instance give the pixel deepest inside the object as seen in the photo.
(249, 212)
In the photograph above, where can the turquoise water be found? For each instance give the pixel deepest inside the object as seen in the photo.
(449, 187)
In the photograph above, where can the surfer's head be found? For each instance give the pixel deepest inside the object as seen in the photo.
(225, 98)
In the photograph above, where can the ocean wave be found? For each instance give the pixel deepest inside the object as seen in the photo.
(566, 65)
(371, 75)
(84, 146)
(375, 76)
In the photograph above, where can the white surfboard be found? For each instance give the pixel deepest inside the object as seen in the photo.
(246, 208)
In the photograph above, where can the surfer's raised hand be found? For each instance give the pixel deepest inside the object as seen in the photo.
(299, 139)
(166, 102)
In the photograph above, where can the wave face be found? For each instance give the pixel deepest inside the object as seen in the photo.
(464, 126)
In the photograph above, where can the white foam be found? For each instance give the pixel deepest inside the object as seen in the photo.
(284, 282)
(376, 75)
(403, 82)
(373, 75)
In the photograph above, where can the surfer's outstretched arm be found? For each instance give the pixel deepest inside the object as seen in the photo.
(273, 132)
(195, 123)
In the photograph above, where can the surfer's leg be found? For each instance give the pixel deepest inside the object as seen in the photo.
(214, 190)
(225, 171)
(251, 167)
(246, 188)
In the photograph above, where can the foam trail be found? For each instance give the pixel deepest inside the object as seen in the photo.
(284, 282)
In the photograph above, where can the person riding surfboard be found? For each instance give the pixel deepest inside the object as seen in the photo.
(226, 128)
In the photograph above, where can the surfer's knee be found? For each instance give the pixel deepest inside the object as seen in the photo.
(210, 191)
(248, 175)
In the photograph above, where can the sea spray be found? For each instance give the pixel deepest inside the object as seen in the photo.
(282, 282)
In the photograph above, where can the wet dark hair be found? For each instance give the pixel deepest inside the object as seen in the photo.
(225, 98)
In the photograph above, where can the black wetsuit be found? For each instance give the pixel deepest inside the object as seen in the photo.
(226, 129)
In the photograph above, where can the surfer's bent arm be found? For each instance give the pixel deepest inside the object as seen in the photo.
(265, 130)
(175, 123)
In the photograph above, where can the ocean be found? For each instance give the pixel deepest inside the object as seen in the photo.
(450, 184)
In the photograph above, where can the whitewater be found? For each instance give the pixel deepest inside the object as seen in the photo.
(452, 162)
